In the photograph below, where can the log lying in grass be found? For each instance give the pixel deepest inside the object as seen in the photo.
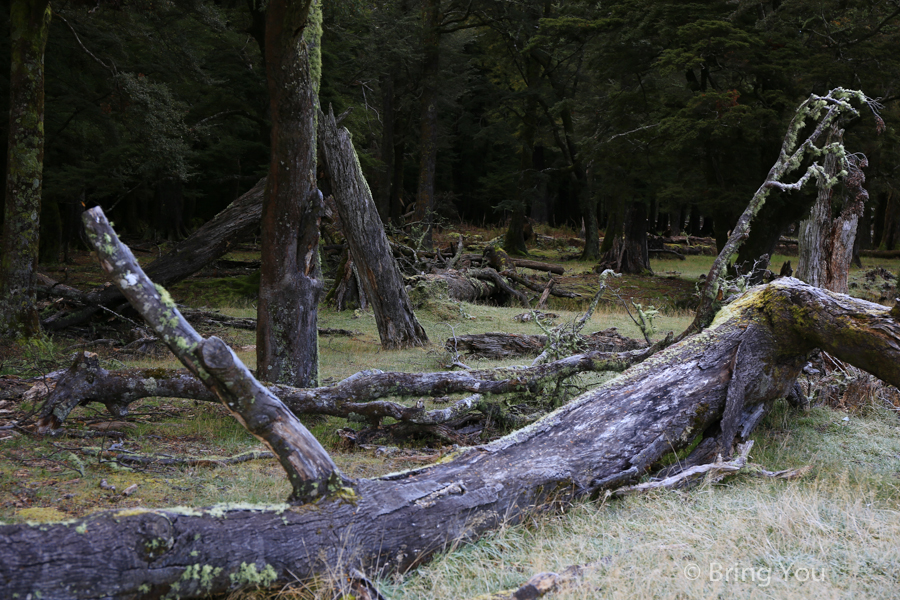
(710, 385)
(87, 381)
(505, 345)
(211, 241)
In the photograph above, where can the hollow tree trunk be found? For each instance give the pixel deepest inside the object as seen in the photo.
(606, 438)
(380, 278)
(289, 290)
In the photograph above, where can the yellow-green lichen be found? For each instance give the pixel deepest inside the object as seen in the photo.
(249, 575)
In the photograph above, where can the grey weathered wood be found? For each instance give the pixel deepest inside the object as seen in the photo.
(826, 242)
(824, 111)
(369, 247)
(606, 438)
(86, 380)
(212, 240)
(310, 469)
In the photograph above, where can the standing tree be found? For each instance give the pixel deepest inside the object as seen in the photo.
(826, 241)
(30, 24)
(289, 291)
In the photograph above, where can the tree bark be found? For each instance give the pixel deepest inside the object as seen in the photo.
(29, 28)
(428, 133)
(212, 240)
(368, 243)
(505, 345)
(834, 105)
(629, 253)
(289, 290)
(309, 468)
(87, 381)
(606, 438)
(826, 243)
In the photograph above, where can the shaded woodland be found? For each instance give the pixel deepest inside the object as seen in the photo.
(200, 126)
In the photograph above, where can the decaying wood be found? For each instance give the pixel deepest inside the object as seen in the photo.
(87, 381)
(378, 273)
(505, 345)
(215, 238)
(310, 469)
(824, 111)
(606, 438)
(712, 473)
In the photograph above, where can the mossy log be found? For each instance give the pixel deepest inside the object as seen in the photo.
(715, 384)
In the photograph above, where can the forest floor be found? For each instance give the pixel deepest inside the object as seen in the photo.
(832, 534)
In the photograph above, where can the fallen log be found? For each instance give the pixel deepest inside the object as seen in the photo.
(880, 253)
(208, 243)
(87, 381)
(604, 439)
(505, 345)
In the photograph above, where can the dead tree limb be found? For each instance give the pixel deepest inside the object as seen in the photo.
(208, 243)
(368, 243)
(824, 111)
(310, 469)
(606, 438)
(87, 381)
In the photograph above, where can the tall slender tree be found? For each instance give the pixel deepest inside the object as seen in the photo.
(29, 27)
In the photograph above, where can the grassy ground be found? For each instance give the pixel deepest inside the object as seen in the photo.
(835, 533)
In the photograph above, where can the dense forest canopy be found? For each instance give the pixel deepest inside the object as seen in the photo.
(568, 112)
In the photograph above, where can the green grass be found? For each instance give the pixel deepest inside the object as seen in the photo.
(834, 534)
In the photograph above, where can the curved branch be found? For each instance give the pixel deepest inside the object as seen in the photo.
(310, 469)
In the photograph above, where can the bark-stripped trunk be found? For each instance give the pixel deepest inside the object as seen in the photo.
(380, 278)
(826, 243)
(604, 439)
(431, 40)
(289, 290)
(29, 26)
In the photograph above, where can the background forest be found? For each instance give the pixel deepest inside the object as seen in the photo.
(664, 114)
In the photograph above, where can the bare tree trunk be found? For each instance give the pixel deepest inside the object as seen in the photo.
(368, 243)
(289, 290)
(29, 28)
(826, 243)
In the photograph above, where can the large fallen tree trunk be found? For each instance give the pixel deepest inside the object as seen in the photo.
(715, 384)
